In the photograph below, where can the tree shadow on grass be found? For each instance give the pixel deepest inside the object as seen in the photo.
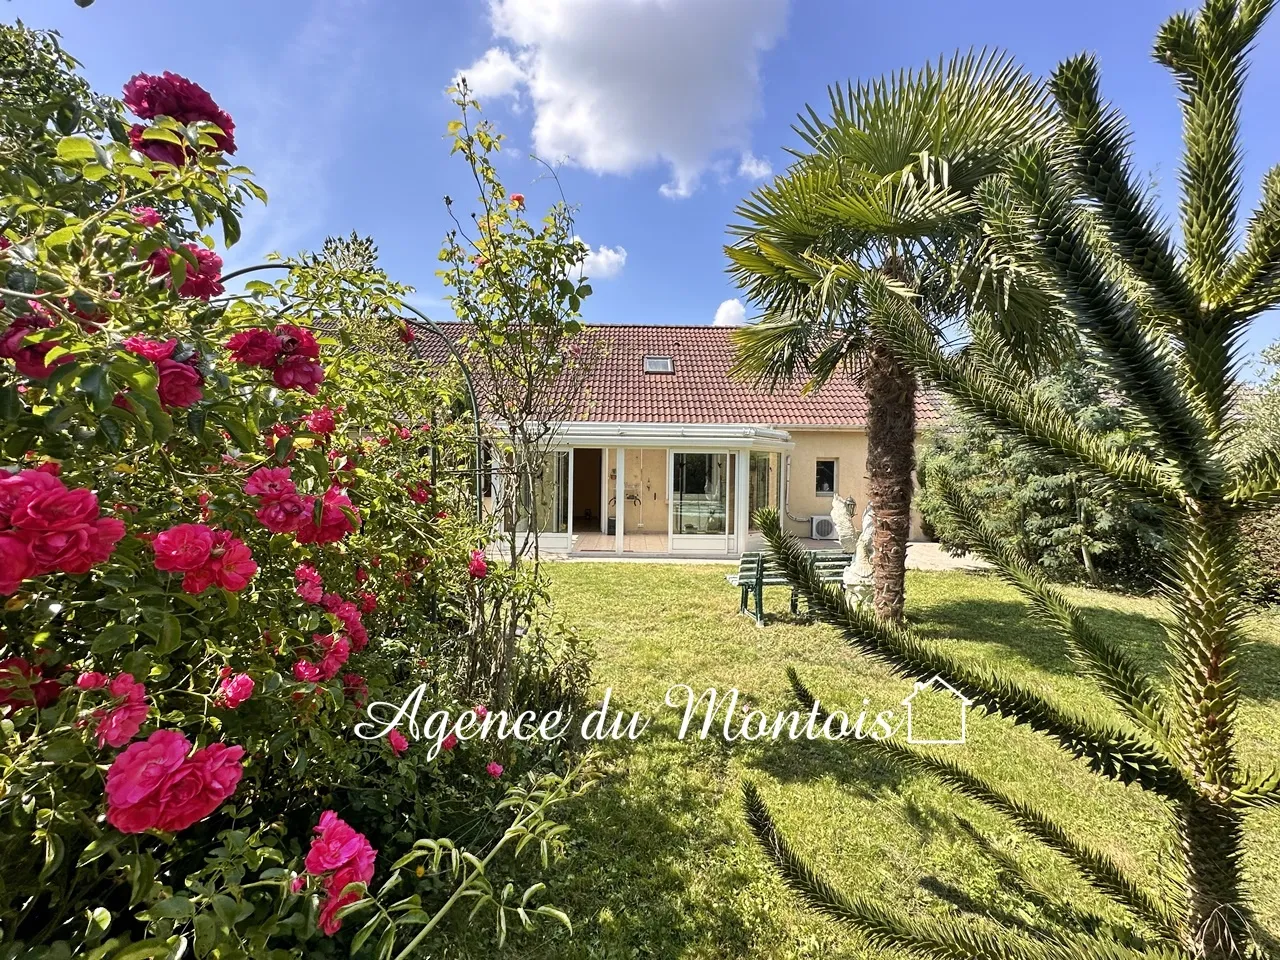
(1012, 626)
(664, 813)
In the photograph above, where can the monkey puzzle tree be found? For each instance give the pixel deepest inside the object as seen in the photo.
(1167, 321)
(886, 184)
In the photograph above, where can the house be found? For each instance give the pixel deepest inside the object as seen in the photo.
(942, 722)
(669, 455)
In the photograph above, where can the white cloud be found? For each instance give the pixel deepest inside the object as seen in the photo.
(731, 313)
(495, 74)
(620, 85)
(753, 167)
(603, 263)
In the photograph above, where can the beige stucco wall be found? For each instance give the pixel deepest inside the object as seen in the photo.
(849, 448)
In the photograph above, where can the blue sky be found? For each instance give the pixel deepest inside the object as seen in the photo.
(661, 113)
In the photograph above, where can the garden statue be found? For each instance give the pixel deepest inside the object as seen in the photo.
(843, 510)
(858, 576)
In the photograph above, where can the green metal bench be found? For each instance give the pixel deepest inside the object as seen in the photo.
(759, 569)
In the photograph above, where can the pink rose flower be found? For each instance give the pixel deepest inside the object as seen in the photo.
(147, 216)
(203, 280)
(305, 671)
(255, 348)
(16, 563)
(180, 383)
(320, 420)
(337, 849)
(148, 349)
(121, 724)
(183, 548)
(494, 770)
(518, 199)
(29, 357)
(50, 527)
(235, 690)
(449, 742)
(297, 883)
(92, 681)
(298, 342)
(368, 601)
(270, 482)
(477, 568)
(481, 711)
(155, 784)
(309, 585)
(398, 741)
(230, 565)
(334, 521)
(328, 920)
(335, 652)
(283, 514)
(299, 373)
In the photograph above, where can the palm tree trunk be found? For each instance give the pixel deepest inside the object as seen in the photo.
(891, 435)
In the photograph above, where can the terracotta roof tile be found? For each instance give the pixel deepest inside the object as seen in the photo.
(701, 389)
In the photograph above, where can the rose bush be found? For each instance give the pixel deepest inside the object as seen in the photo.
(227, 521)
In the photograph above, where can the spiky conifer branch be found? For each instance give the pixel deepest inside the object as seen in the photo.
(1126, 685)
(1097, 868)
(1256, 481)
(1100, 160)
(1253, 280)
(1109, 750)
(883, 929)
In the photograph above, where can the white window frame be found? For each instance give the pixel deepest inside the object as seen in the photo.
(835, 476)
(654, 363)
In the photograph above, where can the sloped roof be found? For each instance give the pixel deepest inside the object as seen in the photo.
(701, 389)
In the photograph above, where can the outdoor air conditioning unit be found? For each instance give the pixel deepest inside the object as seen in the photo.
(822, 528)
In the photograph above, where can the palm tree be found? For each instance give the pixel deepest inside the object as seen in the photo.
(885, 183)
(1167, 323)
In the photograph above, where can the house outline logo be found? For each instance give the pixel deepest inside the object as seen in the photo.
(938, 683)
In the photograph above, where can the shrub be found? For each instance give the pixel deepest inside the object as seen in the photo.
(1060, 520)
(223, 530)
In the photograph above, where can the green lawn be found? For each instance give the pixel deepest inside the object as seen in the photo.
(660, 863)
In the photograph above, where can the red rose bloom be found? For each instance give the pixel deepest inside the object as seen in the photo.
(270, 482)
(16, 563)
(320, 420)
(255, 348)
(124, 721)
(171, 95)
(299, 373)
(477, 568)
(203, 280)
(398, 741)
(183, 548)
(334, 521)
(305, 671)
(180, 384)
(153, 350)
(342, 852)
(147, 216)
(230, 565)
(29, 357)
(60, 528)
(309, 585)
(283, 514)
(154, 784)
(22, 685)
(235, 690)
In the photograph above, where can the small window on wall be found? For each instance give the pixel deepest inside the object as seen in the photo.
(825, 482)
